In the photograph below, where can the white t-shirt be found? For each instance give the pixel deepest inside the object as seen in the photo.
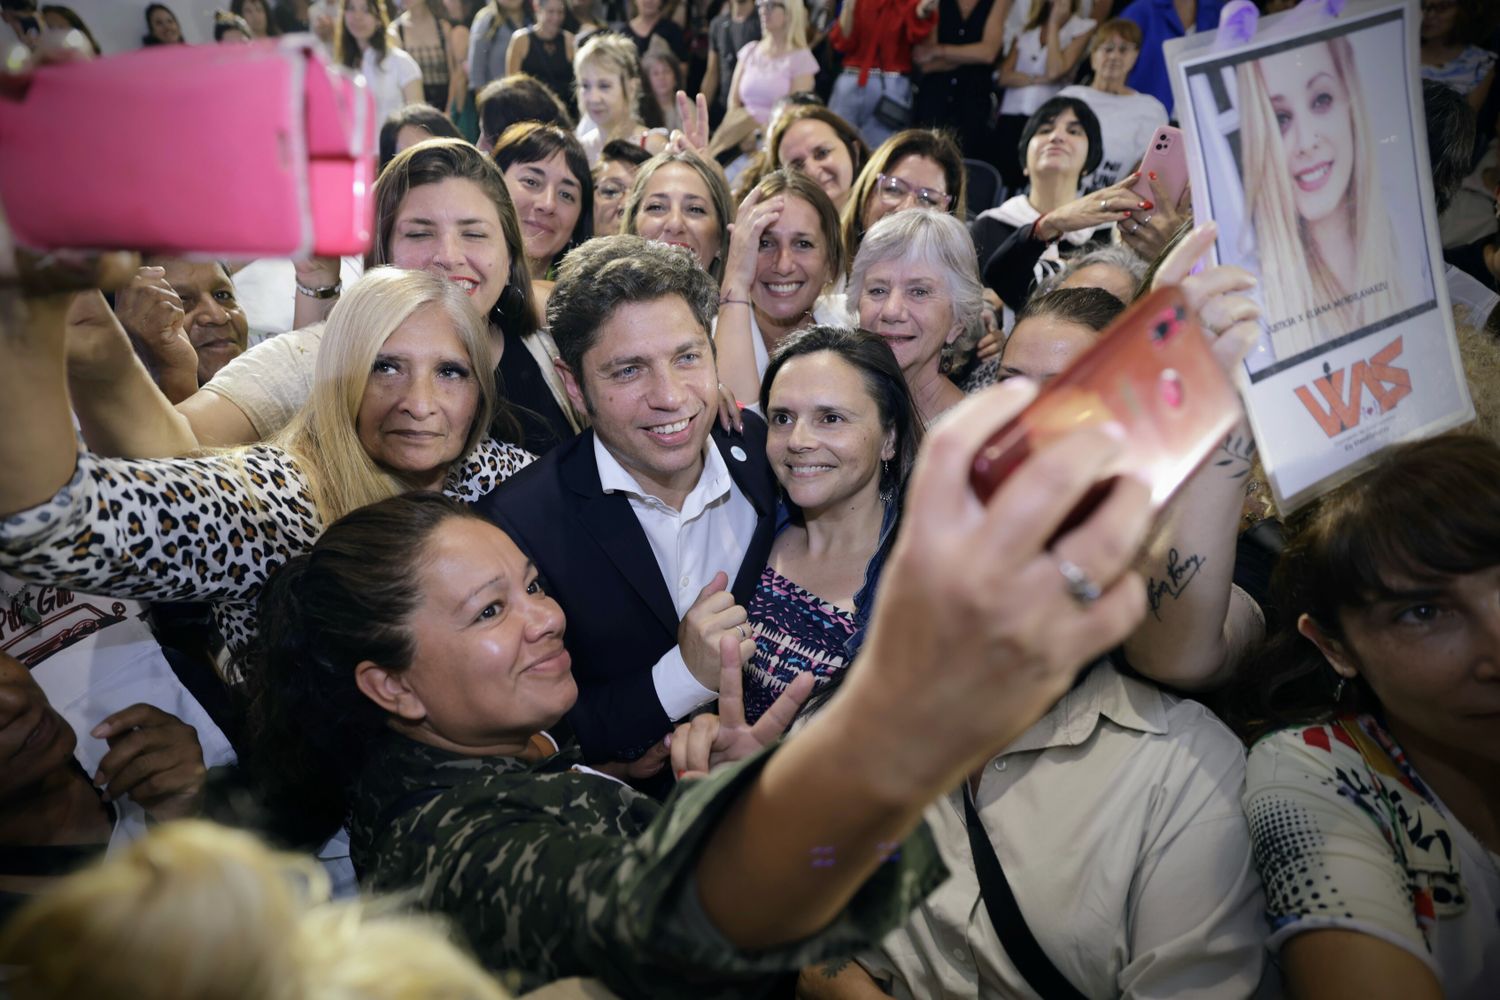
(272, 380)
(1031, 57)
(1126, 124)
(389, 78)
(1355, 842)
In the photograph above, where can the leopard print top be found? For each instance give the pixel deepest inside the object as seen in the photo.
(209, 528)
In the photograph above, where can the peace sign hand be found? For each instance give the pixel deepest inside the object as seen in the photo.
(708, 740)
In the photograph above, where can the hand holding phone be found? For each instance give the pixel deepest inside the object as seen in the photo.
(1165, 161)
(1152, 372)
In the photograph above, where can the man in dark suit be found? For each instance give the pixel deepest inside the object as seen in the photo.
(640, 525)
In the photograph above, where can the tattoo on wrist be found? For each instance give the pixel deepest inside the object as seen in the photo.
(1236, 455)
(1180, 571)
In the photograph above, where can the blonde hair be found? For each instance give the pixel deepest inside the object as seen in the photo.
(1296, 280)
(194, 910)
(323, 438)
(613, 53)
(796, 24)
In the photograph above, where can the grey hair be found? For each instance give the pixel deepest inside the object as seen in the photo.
(1116, 255)
(610, 271)
(935, 238)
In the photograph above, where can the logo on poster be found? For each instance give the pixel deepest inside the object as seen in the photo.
(1387, 383)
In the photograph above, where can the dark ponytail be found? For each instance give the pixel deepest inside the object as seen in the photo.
(321, 615)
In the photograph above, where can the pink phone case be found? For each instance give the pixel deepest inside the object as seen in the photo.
(211, 150)
(1153, 373)
(1166, 155)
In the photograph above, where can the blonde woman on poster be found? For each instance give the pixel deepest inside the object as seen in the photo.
(1313, 196)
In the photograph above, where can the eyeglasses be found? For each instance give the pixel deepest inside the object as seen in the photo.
(893, 191)
(609, 192)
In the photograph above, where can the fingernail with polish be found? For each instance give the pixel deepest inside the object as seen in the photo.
(1152, 175)
(1147, 206)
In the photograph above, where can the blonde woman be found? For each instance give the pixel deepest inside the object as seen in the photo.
(607, 73)
(402, 395)
(193, 908)
(779, 63)
(1312, 192)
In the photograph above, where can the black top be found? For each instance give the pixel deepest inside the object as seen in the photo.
(666, 29)
(548, 62)
(521, 384)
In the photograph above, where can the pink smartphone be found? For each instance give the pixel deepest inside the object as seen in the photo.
(1166, 156)
(1153, 372)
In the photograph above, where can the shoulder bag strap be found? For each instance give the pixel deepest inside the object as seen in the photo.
(994, 888)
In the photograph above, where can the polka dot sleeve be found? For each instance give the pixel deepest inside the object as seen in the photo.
(1326, 849)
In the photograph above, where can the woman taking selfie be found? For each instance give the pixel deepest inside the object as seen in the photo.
(786, 251)
(401, 400)
(1376, 813)
(416, 657)
(440, 207)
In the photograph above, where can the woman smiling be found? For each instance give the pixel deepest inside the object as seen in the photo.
(681, 199)
(785, 253)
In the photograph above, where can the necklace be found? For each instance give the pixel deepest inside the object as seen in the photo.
(20, 600)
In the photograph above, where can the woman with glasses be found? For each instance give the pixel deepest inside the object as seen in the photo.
(619, 162)
(917, 168)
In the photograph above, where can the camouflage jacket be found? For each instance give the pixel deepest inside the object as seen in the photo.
(551, 872)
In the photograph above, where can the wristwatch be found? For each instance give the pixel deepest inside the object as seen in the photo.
(326, 292)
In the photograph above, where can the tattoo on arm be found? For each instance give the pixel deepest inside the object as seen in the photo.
(1180, 571)
(831, 970)
(1236, 455)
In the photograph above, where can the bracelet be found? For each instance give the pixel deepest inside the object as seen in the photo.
(1036, 229)
(326, 292)
(734, 302)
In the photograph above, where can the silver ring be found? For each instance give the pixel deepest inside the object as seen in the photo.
(1142, 221)
(1080, 587)
(743, 636)
(1104, 204)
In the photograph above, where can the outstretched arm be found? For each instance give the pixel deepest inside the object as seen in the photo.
(974, 637)
(1200, 625)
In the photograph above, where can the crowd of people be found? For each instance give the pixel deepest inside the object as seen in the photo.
(588, 576)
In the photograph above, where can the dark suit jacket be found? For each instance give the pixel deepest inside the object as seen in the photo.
(596, 561)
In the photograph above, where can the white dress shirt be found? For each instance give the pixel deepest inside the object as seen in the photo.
(710, 533)
(1117, 820)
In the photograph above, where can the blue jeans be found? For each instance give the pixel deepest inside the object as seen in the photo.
(856, 104)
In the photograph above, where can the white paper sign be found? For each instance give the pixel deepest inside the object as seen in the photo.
(1308, 148)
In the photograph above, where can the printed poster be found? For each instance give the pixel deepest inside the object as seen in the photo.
(1307, 146)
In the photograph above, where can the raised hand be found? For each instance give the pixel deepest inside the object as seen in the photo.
(713, 617)
(708, 740)
(1147, 232)
(693, 136)
(1217, 293)
(154, 316)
